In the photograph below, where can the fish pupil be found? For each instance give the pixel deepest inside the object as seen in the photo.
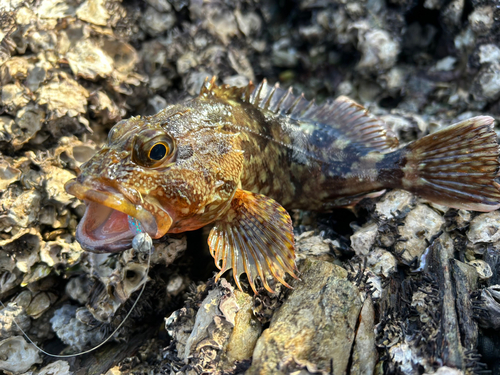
(158, 151)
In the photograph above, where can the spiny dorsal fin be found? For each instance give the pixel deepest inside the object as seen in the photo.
(343, 114)
(226, 91)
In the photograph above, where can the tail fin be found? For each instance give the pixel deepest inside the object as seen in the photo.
(456, 166)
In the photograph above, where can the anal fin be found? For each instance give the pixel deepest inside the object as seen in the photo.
(254, 237)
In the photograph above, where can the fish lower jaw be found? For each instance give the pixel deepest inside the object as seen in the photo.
(103, 229)
(111, 221)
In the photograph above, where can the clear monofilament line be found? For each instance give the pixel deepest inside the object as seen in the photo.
(142, 243)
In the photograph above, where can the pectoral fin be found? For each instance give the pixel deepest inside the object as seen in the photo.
(254, 237)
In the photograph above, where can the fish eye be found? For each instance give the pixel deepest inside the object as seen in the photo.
(153, 148)
(158, 151)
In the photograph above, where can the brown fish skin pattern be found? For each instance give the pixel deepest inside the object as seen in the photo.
(237, 158)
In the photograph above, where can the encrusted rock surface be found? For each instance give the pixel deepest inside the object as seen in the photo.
(17, 355)
(402, 286)
(315, 328)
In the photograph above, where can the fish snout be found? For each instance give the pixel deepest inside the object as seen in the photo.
(111, 220)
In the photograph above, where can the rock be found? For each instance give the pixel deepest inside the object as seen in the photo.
(393, 203)
(17, 356)
(481, 19)
(156, 22)
(315, 327)
(445, 64)
(452, 13)
(486, 85)
(249, 23)
(284, 55)
(308, 244)
(490, 303)
(364, 238)
(364, 356)
(489, 53)
(246, 332)
(77, 289)
(379, 50)
(382, 262)
(485, 228)
(57, 367)
(465, 40)
(421, 223)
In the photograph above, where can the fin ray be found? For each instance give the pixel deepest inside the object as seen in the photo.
(254, 237)
(346, 118)
(349, 118)
(210, 87)
(456, 166)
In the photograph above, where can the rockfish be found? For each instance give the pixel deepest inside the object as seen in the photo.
(236, 158)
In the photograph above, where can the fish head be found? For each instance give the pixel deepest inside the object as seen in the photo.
(159, 174)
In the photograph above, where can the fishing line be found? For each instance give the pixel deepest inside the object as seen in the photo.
(142, 243)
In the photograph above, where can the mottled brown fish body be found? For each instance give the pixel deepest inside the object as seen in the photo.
(286, 159)
(299, 180)
(235, 157)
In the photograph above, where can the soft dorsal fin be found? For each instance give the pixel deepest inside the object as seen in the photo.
(349, 119)
(346, 116)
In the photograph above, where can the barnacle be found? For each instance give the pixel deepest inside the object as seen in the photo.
(16, 355)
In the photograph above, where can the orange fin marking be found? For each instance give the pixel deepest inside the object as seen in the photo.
(254, 237)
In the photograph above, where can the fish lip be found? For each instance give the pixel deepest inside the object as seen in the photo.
(108, 197)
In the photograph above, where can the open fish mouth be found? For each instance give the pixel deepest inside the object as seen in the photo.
(110, 221)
